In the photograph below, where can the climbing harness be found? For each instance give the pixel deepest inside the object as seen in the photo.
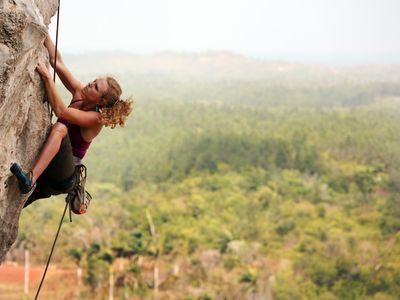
(79, 199)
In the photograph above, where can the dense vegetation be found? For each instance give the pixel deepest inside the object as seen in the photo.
(240, 189)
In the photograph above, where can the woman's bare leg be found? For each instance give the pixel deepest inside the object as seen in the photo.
(50, 149)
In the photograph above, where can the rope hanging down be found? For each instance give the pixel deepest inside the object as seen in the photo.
(51, 252)
(51, 115)
(55, 56)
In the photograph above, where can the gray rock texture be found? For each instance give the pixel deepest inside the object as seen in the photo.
(24, 118)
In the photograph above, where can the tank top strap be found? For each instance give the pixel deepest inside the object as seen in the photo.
(77, 100)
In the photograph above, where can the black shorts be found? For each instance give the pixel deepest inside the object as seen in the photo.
(59, 176)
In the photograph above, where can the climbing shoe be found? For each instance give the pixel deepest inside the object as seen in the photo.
(24, 178)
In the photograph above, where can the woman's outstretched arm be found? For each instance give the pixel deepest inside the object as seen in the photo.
(75, 116)
(69, 81)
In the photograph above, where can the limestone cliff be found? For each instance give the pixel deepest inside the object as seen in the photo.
(24, 119)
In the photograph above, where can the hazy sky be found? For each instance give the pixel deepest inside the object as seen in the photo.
(302, 28)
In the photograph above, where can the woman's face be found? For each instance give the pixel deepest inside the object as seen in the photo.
(95, 89)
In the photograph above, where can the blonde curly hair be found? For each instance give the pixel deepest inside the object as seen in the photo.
(113, 110)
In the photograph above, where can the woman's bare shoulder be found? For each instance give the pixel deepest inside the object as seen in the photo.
(89, 133)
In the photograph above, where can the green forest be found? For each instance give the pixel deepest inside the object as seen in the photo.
(241, 180)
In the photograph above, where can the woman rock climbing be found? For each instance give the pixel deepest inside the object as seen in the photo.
(93, 106)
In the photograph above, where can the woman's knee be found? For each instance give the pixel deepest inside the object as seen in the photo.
(59, 129)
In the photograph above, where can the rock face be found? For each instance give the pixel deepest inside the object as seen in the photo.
(24, 118)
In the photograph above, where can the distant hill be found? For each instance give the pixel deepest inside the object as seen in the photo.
(225, 65)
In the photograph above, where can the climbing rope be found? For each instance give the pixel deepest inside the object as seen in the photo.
(51, 252)
(55, 56)
(51, 116)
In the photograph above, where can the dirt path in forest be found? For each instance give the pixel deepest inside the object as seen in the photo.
(12, 280)
(14, 274)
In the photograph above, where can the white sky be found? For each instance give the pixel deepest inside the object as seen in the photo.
(252, 27)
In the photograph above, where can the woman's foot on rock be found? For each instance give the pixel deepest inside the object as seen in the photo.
(24, 178)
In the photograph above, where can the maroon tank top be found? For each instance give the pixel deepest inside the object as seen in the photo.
(79, 145)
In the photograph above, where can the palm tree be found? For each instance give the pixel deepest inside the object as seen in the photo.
(108, 258)
(77, 254)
